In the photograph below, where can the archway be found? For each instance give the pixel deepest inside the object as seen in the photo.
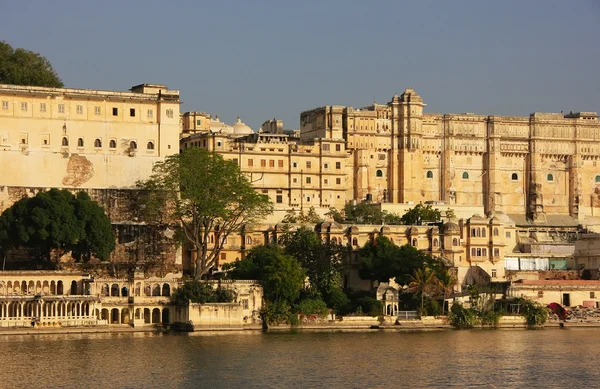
(166, 290)
(156, 290)
(114, 316)
(73, 287)
(114, 290)
(125, 316)
(156, 315)
(59, 288)
(147, 315)
(124, 291)
(105, 315)
(166, 316)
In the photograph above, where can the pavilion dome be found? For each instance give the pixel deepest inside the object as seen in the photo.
(217, 126)
(240, 128)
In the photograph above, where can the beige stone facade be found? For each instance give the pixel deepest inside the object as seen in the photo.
(80, 138)
(541, 164)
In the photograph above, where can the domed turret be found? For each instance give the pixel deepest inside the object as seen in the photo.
(240, 128)
(218, 127)
(451, 228)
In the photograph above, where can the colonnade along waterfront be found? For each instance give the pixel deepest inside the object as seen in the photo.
(46, 299)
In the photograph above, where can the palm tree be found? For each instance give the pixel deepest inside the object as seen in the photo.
(446, 282)
(421, 281)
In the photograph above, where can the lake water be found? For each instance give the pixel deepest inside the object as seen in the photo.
(465, 359)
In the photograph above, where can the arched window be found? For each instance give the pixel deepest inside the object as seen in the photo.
(80, 142)
(473, 232)
(150, 146)
(473, 252)
(484, 252)
(112, 144)
(65, 141)
(465, 176)
(435, 243)
(132, 145)
(454, 242)
(97, 143)
(414, 243)
(550, 177)
(478, 232)
(379, 173)
(496, 232)
(514, 177)
(354, 241)
(483, 233)
(248, 240)
(496, 252)
(334, 240)
(597, 179)
(429, 174)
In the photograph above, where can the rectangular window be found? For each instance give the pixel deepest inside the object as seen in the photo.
(338, 181)
(169, 113)
(42, 107)
(61, 108)
(24, 139)
(508, 235)
(279, 199)
(325, 181)
(150, 114)
(97, 111)
(24, 106)
(250, 162)
(338, 165)
(263, 163)
(245, 304)
(294, 164)
(223, 255)
(5, 105)
(45, 140)
(115, 111)
(592, 295)
(198, 122)
(308, 180)
(325, 166)
(271, 163)
(308, 164)
(338, 147)
(540, 294)
(295, 180)
(79, 109)
(280, 163)
(132, 112)
(235, 160)
(326, 147)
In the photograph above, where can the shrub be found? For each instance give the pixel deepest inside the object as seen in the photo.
(313, 307)
(461, 317)
(370, 306)
(275, 312)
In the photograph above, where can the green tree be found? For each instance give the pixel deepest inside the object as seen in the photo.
(323, 261)
(208, 196)
(380, 260)
(310, 217)
(24, 67)
(420, 214)
(58, 222)
(281, 275)
(200, 292)
(423, 282)
(446, 281)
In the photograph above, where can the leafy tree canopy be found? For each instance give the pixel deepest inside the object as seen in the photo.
(420, 214)
(323, 261)
(380, 260)
(208, 196)
(58, 221)
(24, 67)
(200, 292)
(365, 213)
(281, 275)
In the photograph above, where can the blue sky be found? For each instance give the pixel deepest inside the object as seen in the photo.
(265, 59)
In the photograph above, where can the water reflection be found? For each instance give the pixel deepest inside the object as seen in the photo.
(479, 358)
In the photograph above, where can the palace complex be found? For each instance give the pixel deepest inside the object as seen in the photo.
(523, 189)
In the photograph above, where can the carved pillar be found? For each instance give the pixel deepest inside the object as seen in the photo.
(575, 184)
(492, 181)
(535, 203)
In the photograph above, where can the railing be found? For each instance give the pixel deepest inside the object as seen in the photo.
(408, 315)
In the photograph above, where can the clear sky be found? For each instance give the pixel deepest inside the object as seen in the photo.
(265, 59)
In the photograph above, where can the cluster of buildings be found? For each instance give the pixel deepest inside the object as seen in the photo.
(525, 190)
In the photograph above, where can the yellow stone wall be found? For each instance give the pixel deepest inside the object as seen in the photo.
(77, 138)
